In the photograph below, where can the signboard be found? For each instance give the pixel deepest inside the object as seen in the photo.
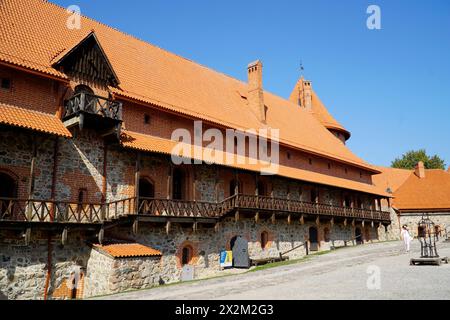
(226, 259)
(187, 273)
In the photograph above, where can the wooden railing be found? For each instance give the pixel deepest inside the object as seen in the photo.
(178, 208)
(61, 211)
(261, 203)
(84, 102)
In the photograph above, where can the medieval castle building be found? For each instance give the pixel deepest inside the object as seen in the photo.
(88, 184)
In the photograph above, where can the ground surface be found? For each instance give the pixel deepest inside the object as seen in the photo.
(341, 274)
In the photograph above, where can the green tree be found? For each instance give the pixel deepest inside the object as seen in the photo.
(410, 159)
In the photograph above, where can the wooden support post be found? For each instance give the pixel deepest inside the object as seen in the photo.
(353, 223)
(136, 227)
(372, 224)
(345, 222)
(273, 218)
(217, 227)
(363, 223)
(257, 217)
(31, 182)
(194, 184)
(105, 162)
(318, 221)
(169, 181)
(168, 225)
(332, 222)
(27, 236)
(137, 177)
(289, 219)
(302, 220)
(195, 227)
(64, 237)
(101, 235)
(236, 216)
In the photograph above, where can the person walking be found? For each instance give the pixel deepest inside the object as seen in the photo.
(406, 237)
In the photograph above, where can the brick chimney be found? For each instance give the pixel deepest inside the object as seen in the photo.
(420, 170)
(255, 90)
(302, 94)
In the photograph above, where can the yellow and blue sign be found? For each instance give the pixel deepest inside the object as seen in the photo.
(226, 259)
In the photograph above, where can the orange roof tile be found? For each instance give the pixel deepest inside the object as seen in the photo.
(127, 250)
(34, 34)
(34, 120)
(428, 194)
(391, 178)
(148, 143)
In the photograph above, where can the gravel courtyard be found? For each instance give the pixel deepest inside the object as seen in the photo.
(341, 274)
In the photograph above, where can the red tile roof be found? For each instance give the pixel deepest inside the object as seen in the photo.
(148, 143)
(34, 34)
(128, 250)
(33, 120)
(431, 193)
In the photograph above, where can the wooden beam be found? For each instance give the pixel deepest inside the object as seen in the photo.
(195, 227)
(135, 227)
(345, 222)
(194, 184)
(332, 222)
(273, 218)
(169, 181)
(318, 221)
(101, 235)
(27, 236)
(257, 217)
(168, 225)
(137, 177)
(353, 223)
(289, 219)
(236, 216)
(217, 227)
(64, 237)
(302, 220)
(363, 223)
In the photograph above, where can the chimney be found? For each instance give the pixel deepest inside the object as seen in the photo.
(420, 170)
(302, 94)
(255, 91)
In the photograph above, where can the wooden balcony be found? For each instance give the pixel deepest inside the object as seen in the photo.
(87, 110)
(279, 205)
(30, 210)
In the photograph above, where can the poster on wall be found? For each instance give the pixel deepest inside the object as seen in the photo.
(226, 259)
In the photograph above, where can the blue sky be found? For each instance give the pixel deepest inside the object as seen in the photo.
(389, 87)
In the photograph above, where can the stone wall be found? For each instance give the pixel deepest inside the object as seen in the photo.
(108, 275)
(23, 268)
(441, 219)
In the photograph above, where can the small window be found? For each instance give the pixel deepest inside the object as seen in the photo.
(6, 83)
(264, 239)
(186, 255)
(147, 119)
(346, 171)
(288, 155)
(310, 161)
(329, 166)
(360, 174)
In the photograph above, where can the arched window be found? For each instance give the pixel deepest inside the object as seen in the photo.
(186, 255)
(146, 188)
(347, 201)
(82, 196)
(264, 239)
(178, 184)
(8, 190)
(326, 235)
